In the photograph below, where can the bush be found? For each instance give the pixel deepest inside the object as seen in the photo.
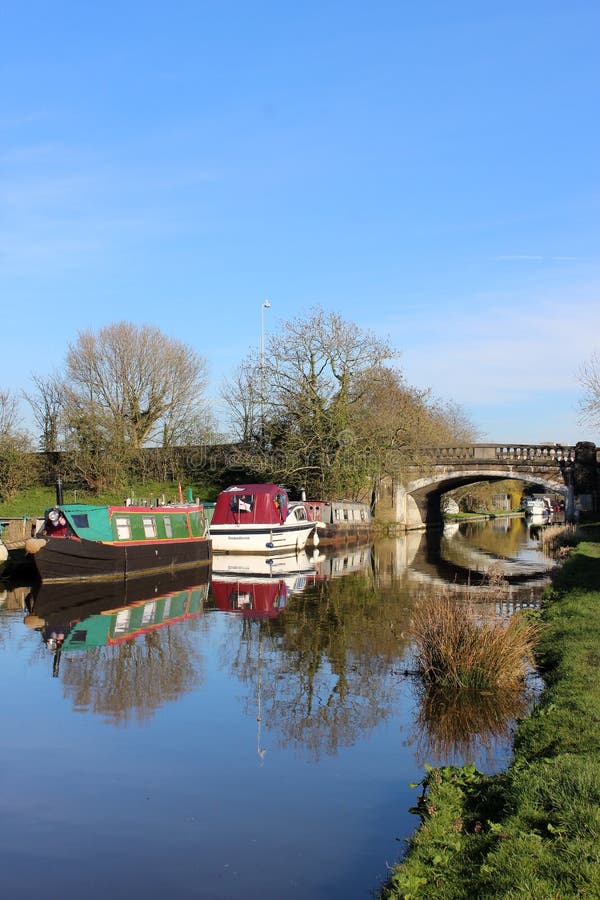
(454, 648)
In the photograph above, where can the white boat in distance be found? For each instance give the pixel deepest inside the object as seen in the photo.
(259, 518)
(537, 506)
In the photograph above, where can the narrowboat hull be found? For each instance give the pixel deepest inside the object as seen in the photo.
(66, 559)
(343, 534)
(340, 521)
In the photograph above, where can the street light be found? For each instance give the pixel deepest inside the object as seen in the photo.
(264, 305)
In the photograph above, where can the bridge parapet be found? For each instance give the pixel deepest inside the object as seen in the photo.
(570, 470)
(536, 453)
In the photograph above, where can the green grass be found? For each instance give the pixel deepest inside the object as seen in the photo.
(533, 831)
(34, 500)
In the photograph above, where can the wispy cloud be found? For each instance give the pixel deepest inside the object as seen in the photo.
(60, 204)
(529, 257)
(521, 353)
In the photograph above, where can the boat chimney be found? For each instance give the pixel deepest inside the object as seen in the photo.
(303, 494)
(59, 491)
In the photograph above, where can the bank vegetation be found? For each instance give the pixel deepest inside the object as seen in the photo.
(534, 830)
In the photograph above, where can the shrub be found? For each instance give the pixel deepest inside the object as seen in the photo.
(455, 648)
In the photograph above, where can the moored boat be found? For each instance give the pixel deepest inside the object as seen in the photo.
(340, 520)
(259, 518)
(537, 506)
(83, 541)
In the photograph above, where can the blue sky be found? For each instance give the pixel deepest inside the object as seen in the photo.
(430, 171)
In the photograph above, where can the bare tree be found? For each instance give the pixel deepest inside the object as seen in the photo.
(336, 415)
(294, 411)
(9, 413)
(139, 386)
(242, 395)
(315, 377)
(47, 405)
(589, 379)
(126, 388)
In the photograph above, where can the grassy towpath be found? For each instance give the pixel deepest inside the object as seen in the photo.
(534, 830)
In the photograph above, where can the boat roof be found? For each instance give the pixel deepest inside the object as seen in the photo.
(92, 522)
(123, 507)
(259, 488)
(250, 504)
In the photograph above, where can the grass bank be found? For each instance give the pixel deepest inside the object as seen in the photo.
(533, 831)
(33, 501)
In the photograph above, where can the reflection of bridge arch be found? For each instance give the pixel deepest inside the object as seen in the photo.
(446, 560)
(570, 471)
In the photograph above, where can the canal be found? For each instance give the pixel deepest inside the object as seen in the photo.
(255, 734)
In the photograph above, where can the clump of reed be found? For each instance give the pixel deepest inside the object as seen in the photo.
(558, 540)
(456, 648)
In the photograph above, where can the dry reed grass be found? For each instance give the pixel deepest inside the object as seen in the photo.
(558, 540)
(456, 648)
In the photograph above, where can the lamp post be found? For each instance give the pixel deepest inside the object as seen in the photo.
(264, 305)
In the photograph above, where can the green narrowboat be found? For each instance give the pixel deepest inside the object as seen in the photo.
(83, 541)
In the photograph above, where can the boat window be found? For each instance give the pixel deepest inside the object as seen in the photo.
(123, 528)
(122, 621)
(168, 526)
(337, 514)
(148, 612)
(149, 526)
(362, 514)
(242, 503)
(241, 600)
(79, 636)
(300, 513)
(345, 515)
(80, 520)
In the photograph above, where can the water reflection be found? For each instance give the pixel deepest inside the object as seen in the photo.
(328, 669)
(122, 658)
(452, 726)
(257, 586)
(325, 665)
(285, 685)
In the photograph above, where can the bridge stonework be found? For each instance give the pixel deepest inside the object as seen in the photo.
(573, 471)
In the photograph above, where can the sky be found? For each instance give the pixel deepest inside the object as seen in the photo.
(428, 170)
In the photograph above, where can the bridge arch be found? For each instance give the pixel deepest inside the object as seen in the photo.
(423, 495)
(571, 471)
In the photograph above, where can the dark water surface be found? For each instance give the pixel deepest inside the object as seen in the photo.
(256, 739)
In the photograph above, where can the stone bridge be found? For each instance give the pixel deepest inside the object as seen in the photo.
(573, 471)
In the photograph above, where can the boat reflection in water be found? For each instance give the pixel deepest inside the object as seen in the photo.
(336, 563)
(80, 615)
(257, 586)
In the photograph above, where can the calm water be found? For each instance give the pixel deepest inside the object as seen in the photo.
(257, 738)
